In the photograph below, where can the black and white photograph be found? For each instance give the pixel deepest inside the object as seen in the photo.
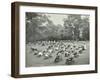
(52, 39)
(57, 39)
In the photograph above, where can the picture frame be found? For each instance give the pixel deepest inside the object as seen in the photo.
(25, 64)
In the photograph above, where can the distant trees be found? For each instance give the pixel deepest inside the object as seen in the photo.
(33, 26)
(77, 27)
(40, 27)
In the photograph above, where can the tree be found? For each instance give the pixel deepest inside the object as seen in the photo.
(40, 27)
(85, 25)
(74, 24)
(33, 23)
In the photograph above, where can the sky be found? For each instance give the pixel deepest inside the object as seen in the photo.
(57, 18)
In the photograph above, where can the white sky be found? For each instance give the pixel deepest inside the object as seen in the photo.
(57, 18)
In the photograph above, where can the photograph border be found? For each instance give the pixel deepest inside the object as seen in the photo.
(15, 32)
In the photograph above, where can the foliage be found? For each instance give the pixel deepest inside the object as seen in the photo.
(40, 27)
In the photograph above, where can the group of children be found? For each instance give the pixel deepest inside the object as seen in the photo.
(59, 50)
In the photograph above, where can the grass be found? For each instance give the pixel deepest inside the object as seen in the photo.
(35, 61)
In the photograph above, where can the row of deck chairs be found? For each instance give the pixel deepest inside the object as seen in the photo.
(60, 50)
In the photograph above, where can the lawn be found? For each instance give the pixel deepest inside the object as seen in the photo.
(34, 60)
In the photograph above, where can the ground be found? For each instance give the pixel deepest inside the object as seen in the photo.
(34, 61)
